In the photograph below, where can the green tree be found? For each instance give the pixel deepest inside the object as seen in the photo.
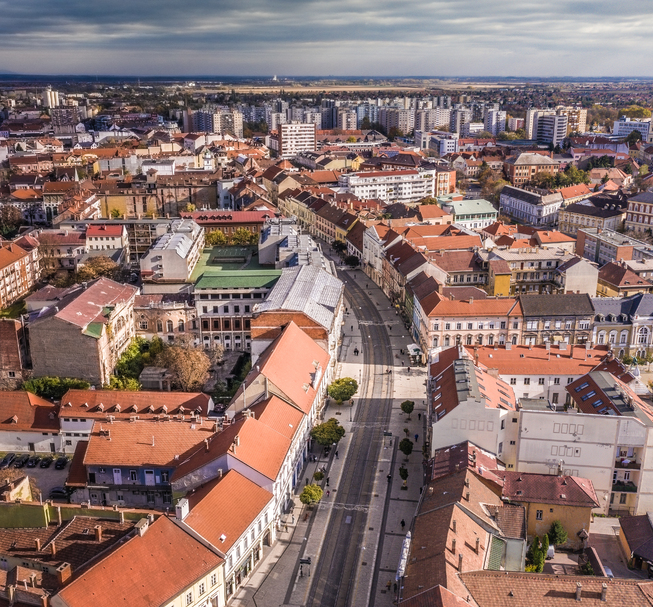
(352, 261)
(557, 534)
(54, 387)
(365, 125)
(339, 246)
(130, 364)
(243, 236)
(484, 135)
(10, 219)
(215, 239)
(328, 433)
(123, 383)
(407, 407)
(587, 569)
(635, 111)
(318, 476)
(342, 389)
(310, 495)
(406, 447)
(545, 544)
(114, 213)
(633, 137)
(96, 267)
(403, 474)
(351, 139)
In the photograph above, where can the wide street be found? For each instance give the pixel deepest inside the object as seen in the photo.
(354, 536)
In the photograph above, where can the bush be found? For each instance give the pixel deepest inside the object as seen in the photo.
(557, 533)
(587, 569)
(535, 556)
(352, 261)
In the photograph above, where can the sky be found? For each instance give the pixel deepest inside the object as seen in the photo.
(582, 38)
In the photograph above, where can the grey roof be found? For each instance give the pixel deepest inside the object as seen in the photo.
(306, 289)
(532, 159)
(531, 197)
(642, 197)
(615, 305)
(568, 304)
(592, 211)
(644, 305)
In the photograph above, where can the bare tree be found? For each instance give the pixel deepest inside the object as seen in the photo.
(188, 364)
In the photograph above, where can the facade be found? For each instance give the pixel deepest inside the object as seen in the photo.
(20, 270)
(640, 212)
(576, 118)
(523, 169)
(30, 423)
(617, 280)
(552, 129)
(625, 126)
(582, 215)
(576, 276)
(107, 238)
(96, 322)
(603, 246)
(166, 315)
(407, 186)
(557, 318)
(471, 214)
(296, 137)
(530, 206)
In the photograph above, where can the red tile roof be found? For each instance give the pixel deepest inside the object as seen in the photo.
(548, 489)
(225, 508)
(114, 230)
(25, 412)
(147, 570)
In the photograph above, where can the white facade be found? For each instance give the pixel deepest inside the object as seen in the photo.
(25, 442)
(495, 122)
(625, 126)
(296, 137)
(545, 212)
(390, 186)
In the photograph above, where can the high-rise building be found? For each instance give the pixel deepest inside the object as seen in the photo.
(296, 137)
(625, 126)
(576, 118)
(459, 116)
(495, 122)
(551, 129)
(64, 119)
(532, 117)
(401, 119)
(347, 119)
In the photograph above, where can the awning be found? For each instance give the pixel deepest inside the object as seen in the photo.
(414, 350)
(403, 560)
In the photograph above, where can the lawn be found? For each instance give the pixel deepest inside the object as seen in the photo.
(14, 310)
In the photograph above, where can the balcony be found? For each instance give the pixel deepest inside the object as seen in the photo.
(624, 487)
(627, 464)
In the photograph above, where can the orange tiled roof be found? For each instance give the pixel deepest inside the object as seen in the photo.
(25, 412)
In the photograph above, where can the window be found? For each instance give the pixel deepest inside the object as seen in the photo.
(459, 326)
(470, 326)
(159, 326)
(527, 381)
(165, 476)
(500, 447)
(514, 420)
(132, 475)
(503, 324)
(622, 498)
(143, 325)
(556, 381)
(447, 326)
(513, 381)
(236, 309)
(180, 326)
(540, 381)
(214, 579)
(201, 589)
(169, 326)
(512, 442)
(503, 424)
(189, 598)
(539, 514)
(225, 309)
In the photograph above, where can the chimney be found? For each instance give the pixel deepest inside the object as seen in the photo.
(59, 519)
(460, 563)
(11, 593)
(98, 533)
(53, 548)
(142, 525)
(45, 600)
(467, 495)
(471, 300)
(454, 525)
(181, 509)
(478, 544)
(604, 592)
(453, 545)
(122, 517)
(579, 588)
(206, 443)
(37, 544)
(64, 573)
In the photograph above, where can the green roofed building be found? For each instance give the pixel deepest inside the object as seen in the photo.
(228, 282)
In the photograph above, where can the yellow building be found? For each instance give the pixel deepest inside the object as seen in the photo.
(548, 498)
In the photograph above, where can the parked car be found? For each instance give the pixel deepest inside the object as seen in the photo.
(20, 461)
(608, 572)
(33, 461)
(61, 463)
(551, 552)
(46, 461)
(7, 460)
(59, 493)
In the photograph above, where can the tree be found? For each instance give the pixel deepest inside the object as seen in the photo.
(406, 447)
(352, 261)
(403, 474)
(351, 139)
(318, 476)
(114, 213)
(215, 239)
(189, 365)
(328, 433)
(189, 208)
(428, 200)
(635, 112)
(557, 534)
(243, 236)
(10, 219)
(633, 137)
(407, 407)
(123, 383)
(545, 544)
(484, 135)
(535, 556)
(339, 246)
(310, 495)
(97, 266)
(342, 389)
(54, 387)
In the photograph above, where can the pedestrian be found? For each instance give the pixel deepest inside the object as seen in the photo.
(395, 587)
(301, 571)
(327, 481)
(408, 369)
(403, 524)
(293, 517)
(328, 493)
(416, 437)
(420, 490)
(306, 482)
(419, 416)
(389, 477)
(336, 454)
(388, 585)
(402, 363)
(285, 527)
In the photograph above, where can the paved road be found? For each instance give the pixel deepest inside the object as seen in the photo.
(336, 568)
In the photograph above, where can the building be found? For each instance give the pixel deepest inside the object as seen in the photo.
(93, 324)
(172, 258)
(407, 186)
(472, 214)
(107, 238)
(524, 168)
(603, 246)
(625, 126)
(557, 318)
(530, 206)
(229, 222)
(296, 137)
(50, 98)
(576, 276)
(30, 423)
(170, 567)
(585, 215)
(552, 129)
(20, 270)
(576, 118)
(640, 212)
(308, 296)
(495, 122)
(547, 498)
(636, 539)
(616, 279)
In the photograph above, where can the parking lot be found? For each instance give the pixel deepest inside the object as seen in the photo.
(44, 478)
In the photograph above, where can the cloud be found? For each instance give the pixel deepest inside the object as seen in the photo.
(319, 37)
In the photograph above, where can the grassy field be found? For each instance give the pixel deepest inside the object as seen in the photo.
(14, 310)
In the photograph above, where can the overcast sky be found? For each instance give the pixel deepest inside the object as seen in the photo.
(327, 37)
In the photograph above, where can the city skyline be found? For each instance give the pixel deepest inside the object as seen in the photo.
(355, 38)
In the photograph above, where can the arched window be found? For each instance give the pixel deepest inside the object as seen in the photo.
(490, 340)
(642, 335)
(514, 340)
(169, 326)
(180, 326)
(435, 342)
(479, 340)
(623, 338)
(468, 341)
(159, 326)
(601, 339)
(446, 341)
(458, 340)
(613, 337)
